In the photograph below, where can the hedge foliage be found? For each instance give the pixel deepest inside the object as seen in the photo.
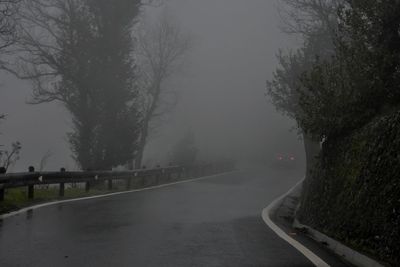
(353, 194)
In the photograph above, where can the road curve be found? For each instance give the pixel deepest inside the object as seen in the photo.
(210, 222)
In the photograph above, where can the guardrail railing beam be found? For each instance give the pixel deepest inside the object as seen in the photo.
(140, 178)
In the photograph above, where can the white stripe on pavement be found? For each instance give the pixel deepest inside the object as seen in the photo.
(317, 261)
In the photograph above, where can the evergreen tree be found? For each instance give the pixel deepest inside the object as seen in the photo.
(80, 52)
(316, 23)
(361, 80)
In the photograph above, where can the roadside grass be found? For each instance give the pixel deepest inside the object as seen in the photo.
(17, 198)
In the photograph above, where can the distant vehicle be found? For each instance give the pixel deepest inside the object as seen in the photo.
(284, 161)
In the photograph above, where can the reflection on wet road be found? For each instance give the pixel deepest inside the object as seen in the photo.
(212, 222)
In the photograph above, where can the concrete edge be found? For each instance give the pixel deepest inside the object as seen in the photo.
(266, 215)
(351, 256)
(343, 251)
(52, 203)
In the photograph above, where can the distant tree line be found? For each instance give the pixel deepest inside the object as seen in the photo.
(347, 70)
(91, 56)
(184, 152)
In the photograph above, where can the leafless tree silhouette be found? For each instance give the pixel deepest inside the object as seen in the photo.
(162, 47)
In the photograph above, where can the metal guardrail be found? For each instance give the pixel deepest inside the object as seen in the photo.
(139, 178)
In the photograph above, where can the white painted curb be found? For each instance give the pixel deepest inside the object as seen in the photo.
(266, 215)
(7, 215)
(352, 256)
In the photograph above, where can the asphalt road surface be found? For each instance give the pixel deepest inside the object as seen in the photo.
(211, 222)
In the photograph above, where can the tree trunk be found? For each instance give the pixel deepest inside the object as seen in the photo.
(142, 144)
(145, 127)
(139, 157)
(312, 149)
(84, 152)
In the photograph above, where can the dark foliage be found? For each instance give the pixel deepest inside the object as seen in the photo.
(361, 80)
(353, 195)
(86, 62)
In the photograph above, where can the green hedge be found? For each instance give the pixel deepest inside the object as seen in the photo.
(353, 194)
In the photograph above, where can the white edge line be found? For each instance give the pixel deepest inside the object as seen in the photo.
(266, 213)
(52, 203)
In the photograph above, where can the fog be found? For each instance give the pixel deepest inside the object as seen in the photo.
(221, 90)
(199, 132)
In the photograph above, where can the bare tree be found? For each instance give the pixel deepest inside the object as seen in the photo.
(8, 32)
(162, 46)
(51, 54)
(79, 52)
(10, 157)
(8, 27)
(310, 17)
(49, 35)
(43, 161)
(316, 22)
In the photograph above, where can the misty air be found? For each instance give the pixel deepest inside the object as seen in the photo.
(209, 133)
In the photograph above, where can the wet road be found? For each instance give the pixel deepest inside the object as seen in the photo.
(210, 222)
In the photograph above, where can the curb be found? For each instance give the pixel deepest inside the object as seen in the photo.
(348, 254)
(351, 256)
(266, 215)
(52, 203)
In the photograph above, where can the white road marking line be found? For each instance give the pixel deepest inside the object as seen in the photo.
(317, 261)
(7, 215)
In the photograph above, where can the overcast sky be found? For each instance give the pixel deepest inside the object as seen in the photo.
(221, 90)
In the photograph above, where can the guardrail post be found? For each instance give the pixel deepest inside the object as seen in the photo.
(2, 171)
(155, 176)
(169, 173)
(159, 176)
(62, 190)
(31, 191)
(87, 186)
(181, 169)
(1, 192)
(128, 183)
(31, 188)
(62, 185)
(110, 185)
